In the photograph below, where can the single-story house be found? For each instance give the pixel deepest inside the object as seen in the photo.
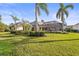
(48, 26)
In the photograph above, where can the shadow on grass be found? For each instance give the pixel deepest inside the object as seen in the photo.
(54, 41)
(23, 41)
(28, 40)
(7, 36)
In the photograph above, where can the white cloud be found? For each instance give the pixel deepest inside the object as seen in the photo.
(73, 18)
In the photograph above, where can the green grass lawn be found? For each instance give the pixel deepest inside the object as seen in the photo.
(50, 45)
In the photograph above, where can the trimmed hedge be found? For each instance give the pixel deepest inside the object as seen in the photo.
(37, 34)
(16, 32)
(12, 32)
(72, 30)
(34, 34)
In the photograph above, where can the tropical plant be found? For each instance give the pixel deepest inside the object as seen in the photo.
(38, 6)
(3, 27)
(15, 19)
(11, 26)
(26, 27)
(62, 12)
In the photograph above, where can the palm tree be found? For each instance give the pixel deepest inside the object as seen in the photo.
(62, 12)
(15, 19)
(38, 6)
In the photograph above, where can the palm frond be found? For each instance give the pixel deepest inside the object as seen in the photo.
(69, 6)
(61, 5)
(14, 17)
(58, 15)
(43, 6)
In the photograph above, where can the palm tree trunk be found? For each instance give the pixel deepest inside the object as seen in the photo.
(62, 18)
(15, 26)
(23, 27)
(36, 15)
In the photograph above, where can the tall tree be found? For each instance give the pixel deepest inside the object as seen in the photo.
(15, 19)
(62, 12)
(38, 6)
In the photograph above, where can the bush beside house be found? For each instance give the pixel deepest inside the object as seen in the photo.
(36, 34)
(3, 27)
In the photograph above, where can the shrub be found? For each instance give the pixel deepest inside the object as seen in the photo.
(7, 30)
(71, 30)
(12, 32)
(16, 32)
(74, 31)
(3, 27)
(38, 34)
(68, 29)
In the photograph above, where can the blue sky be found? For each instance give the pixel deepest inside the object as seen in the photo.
(26, 11)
